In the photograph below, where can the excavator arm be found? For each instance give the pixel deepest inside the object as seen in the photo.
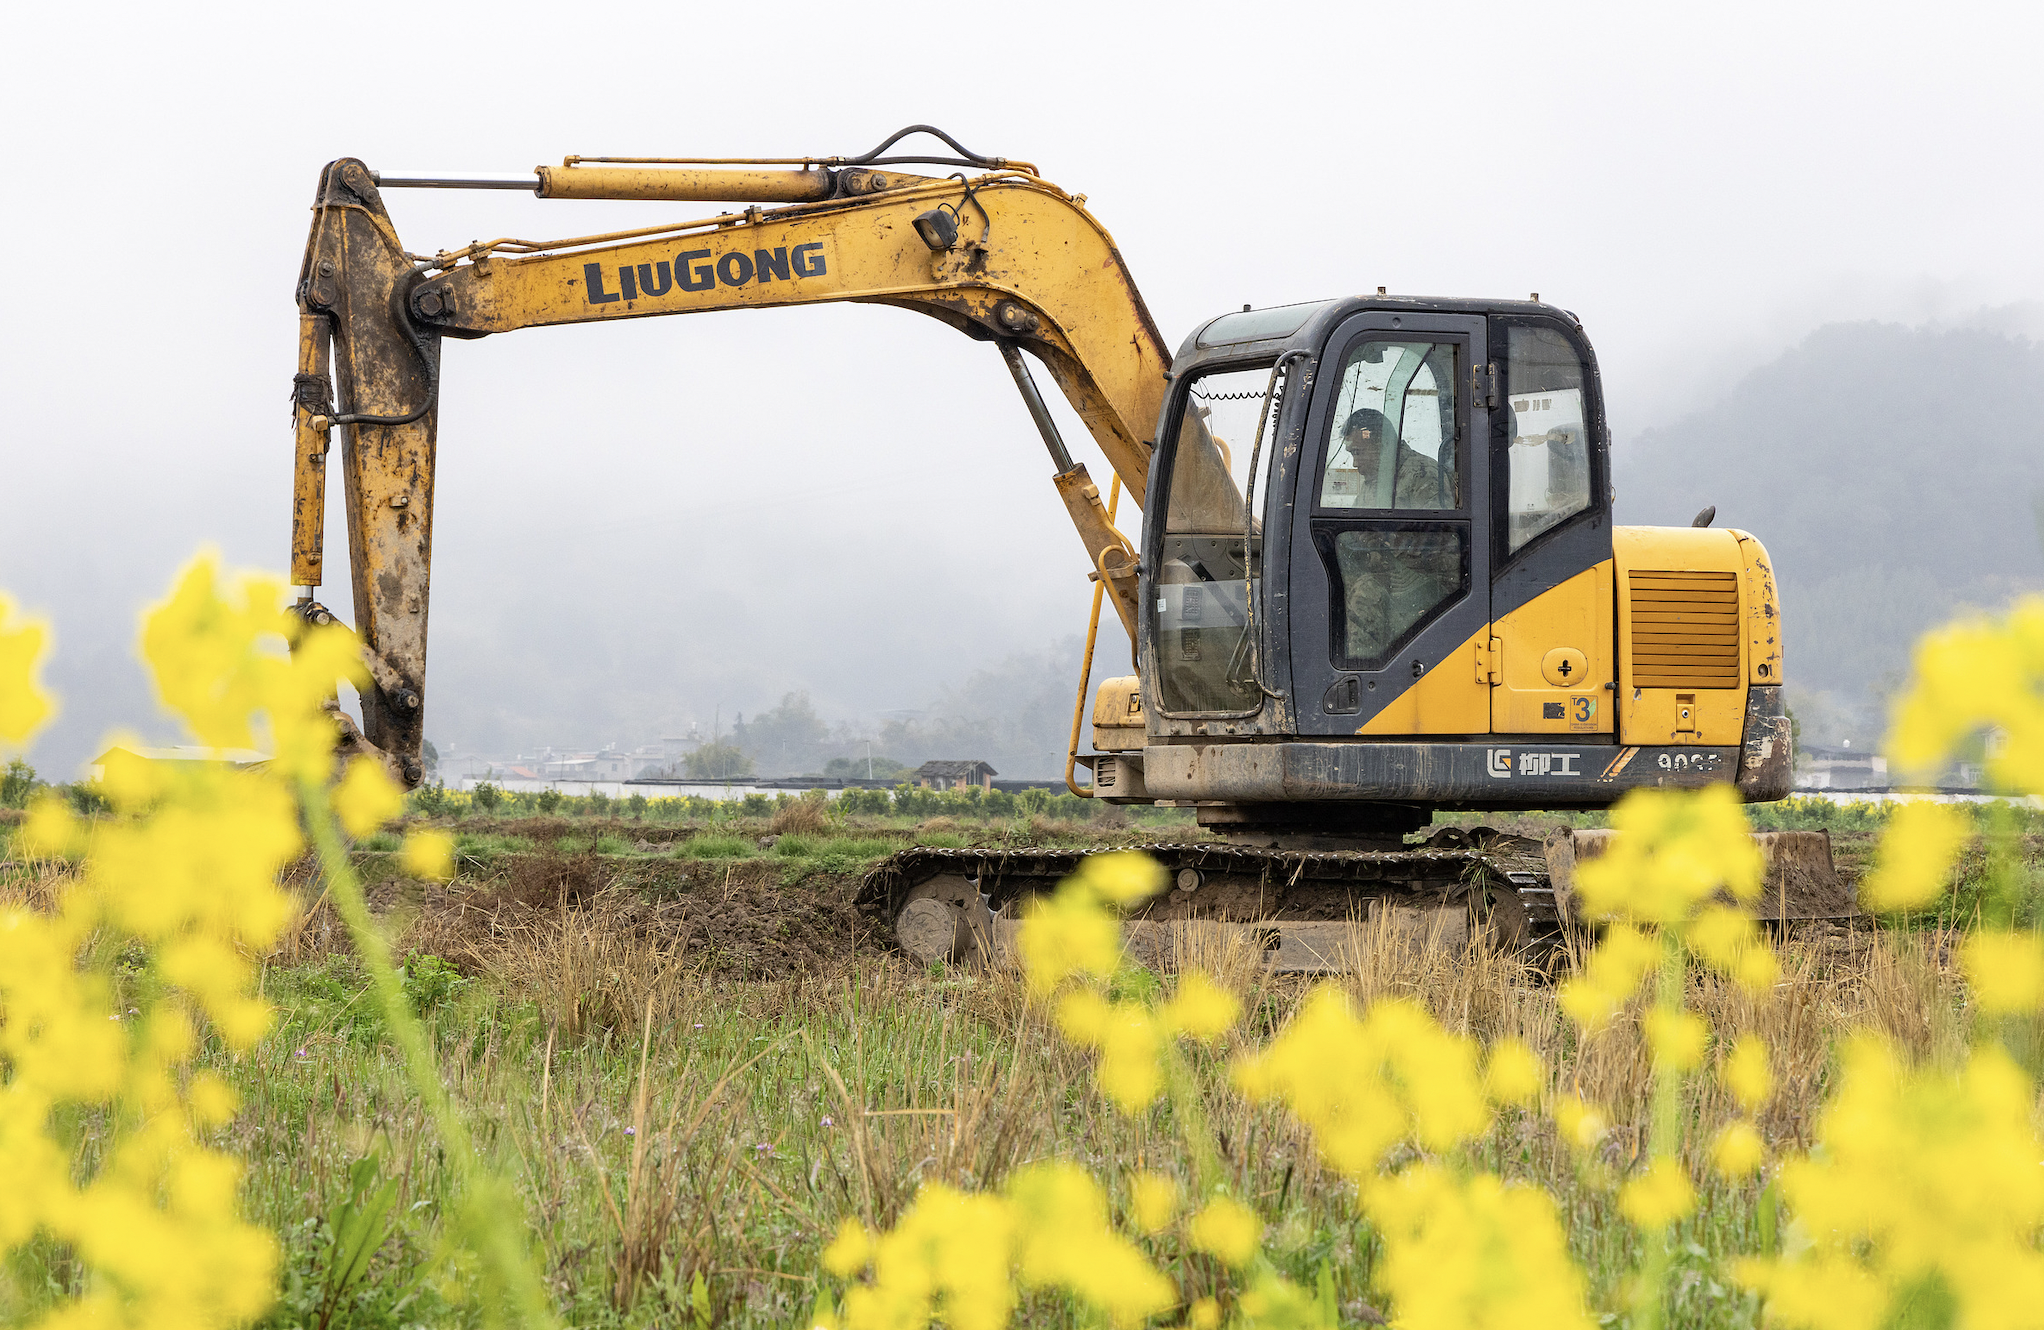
(1003, 256)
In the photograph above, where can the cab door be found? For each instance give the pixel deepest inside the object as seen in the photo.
(1391, 527)
(1552, 651)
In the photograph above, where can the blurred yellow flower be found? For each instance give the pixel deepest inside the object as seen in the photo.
(1677, 1038)
(1474, 1252)
(2005, 970)
(1124, 877)
(1673, 850)
(1730, 942)
(1205, 1314)
(1153, 1198)
(1977, 673)
(1129, 1042)
(1068, 934)
(367, 797)
(1738, 1149)
(1582, 1125)
(1607, 981)
(24, 706)
(1363, 1085)
(1065, 1241)
(1227, 1229)
(948, 1258)
(1514, 1073)
(428, 854)
(850, 1251)
(1915, 855)
(1917, 1173)
(50, 831)
(1200, 1009)
(1658, 1195)
(1747, 1072)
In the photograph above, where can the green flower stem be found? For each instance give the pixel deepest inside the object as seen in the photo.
(1664, 1140)
(1188, 1111)
(489, 1212)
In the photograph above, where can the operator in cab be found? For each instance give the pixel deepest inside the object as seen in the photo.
(1371, 443)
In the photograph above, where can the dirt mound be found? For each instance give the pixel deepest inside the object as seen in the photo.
(739, 920)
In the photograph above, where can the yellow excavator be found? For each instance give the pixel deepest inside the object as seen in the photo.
(1377, 573)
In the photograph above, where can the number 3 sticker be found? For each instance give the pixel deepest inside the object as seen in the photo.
(1582, 713)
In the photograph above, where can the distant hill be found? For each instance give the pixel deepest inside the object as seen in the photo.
(1895, 475)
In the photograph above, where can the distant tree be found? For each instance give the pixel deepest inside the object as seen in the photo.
(791, 737)
(718, 761)
(432, 758)
(854, 768)
(17, 782)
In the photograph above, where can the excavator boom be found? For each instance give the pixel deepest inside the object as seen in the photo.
(1003, 257)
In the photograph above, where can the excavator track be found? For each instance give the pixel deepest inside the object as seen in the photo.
(1299, 907)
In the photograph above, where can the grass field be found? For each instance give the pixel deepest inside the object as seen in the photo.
(689, 1055)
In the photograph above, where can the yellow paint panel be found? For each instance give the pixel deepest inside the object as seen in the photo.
(1576, 614)
(1448, 699)
(1763, 613)
(1681, 667)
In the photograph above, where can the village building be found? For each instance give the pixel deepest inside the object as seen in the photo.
(955, 775)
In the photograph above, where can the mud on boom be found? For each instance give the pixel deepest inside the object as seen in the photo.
(1376, 574)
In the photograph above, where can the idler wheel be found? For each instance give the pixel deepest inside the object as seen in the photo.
(944, 921)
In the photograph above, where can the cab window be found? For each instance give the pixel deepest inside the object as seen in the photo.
(1210, 569)
(1391, 441)
(1548, 457)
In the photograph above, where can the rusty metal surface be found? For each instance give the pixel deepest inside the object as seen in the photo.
(357, 279)
(1767, 760)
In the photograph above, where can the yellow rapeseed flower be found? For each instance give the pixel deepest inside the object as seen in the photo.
(1581, 1124)
(367, 797)
(1069, 934)
(2006, 971)
(1153, 1199)
(1657, 1196)
(948, 1258)
(1738, 1149)
(1064, 1241)
(428, 854)
(50, 831)
(1607, 981)
(1677, 1039)
(1122, 878)
(1977, 673)
(1673, 850)
(1200, 1009)
(1514, 1074)
(1730, 942)
(1363, 1085)
(1128, 1039)
(1917, 1173)
(1747, 1072)
(25, 707)
(1204, 1314)
(1915, 855)
(850, 1251)
(1466, 1252)
(1226, 1228)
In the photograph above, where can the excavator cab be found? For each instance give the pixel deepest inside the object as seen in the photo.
(1379, 557)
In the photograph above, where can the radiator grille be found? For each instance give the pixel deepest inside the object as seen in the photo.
(1685, 629)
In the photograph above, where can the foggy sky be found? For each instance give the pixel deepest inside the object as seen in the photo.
(640, 522)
